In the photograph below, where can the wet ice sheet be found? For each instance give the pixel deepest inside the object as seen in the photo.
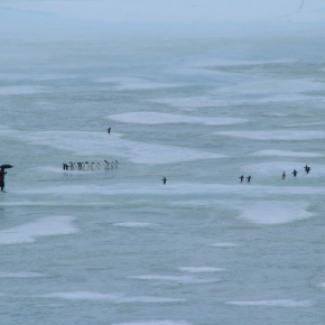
(29, 232)
(97, 143)
(274, 212)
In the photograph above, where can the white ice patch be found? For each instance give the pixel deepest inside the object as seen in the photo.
(134, 224)
(273, 303)
(114, 298)
(285, 135)
(158, 322)
(48, 226)
(275, 212)
(20, 275)
(224, 245)
(201, 269)
(169, 278)
(99, 143)
(282, 153)
(153, 118)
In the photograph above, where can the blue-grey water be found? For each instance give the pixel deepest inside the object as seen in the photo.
(116, 246)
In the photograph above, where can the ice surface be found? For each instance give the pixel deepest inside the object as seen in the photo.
(29, 232)
(283, 153)
(170, 278)
(113, 298)
(134, 224)
(284, 135)
(158, 322)
(20, 275)
(202, 269)
(275, 212)
(163, 118)
(273, 303)
(224, 245)
(86, 143)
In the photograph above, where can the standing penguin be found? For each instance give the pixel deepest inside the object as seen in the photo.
(249, 179)
(241, 178)
(164, 179)
(283, 175)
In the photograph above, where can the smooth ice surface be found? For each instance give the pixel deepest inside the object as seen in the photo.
(118, 299)
(200, 269)
(177, 279)
(276, 135)
(29, 232)
(134, 224)
(158, 322)
(97, 143)
(160, 118)
(20, 275)
(280, 153)
(273, 212)
(273, 303)
(225, 245)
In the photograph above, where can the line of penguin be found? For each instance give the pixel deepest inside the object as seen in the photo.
(294, 173)
(90, 166)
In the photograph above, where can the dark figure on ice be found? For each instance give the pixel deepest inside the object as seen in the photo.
(164, 179)
(241, 178)
(284, 175)
(307, 169)
(65, 166)
(294, 173)
(249, 179)
(2, 179)
(109, 130)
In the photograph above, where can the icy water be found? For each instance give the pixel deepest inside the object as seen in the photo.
(116, 246)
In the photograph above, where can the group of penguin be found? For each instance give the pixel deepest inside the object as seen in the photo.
(294, 173)
(90, 166)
